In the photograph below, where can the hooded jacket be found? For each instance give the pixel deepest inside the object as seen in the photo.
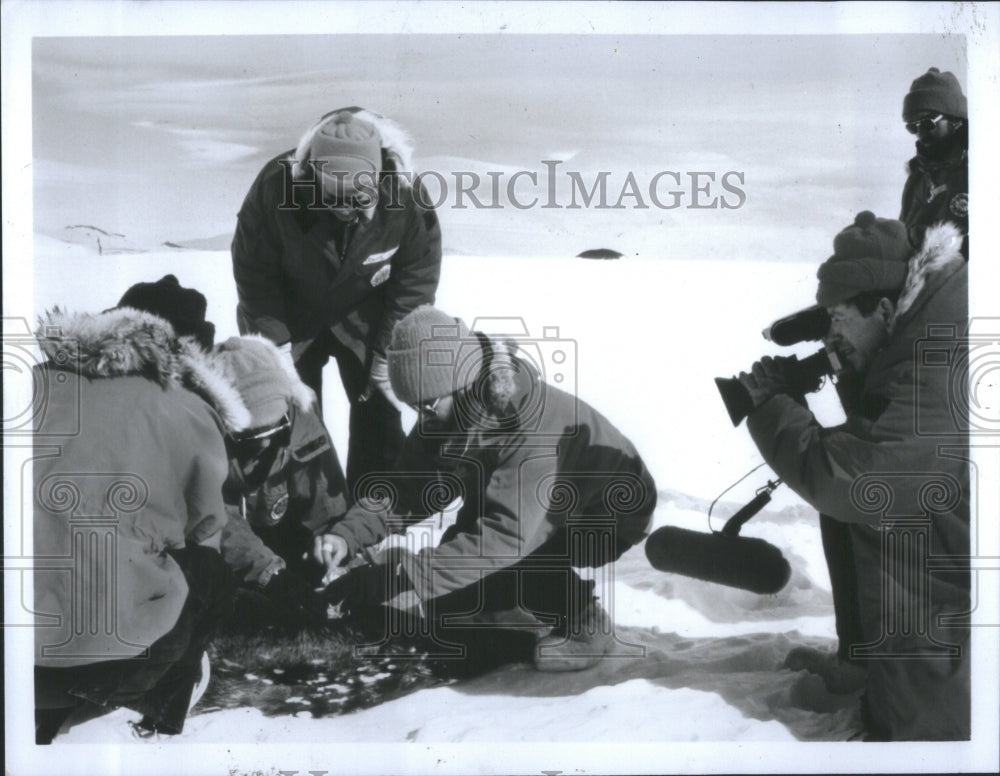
(881, 472)
(299, 271)
(306, 487)
(528, 476)
(128, 463)
(129, 453)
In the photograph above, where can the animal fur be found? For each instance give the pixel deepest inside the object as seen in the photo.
(125, 341)
(942, 248)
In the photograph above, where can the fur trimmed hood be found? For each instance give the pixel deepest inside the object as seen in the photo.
(935, 293)
(397, 147)
(127, 342)
(941, 251)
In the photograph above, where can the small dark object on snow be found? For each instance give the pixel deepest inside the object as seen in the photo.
(599, 253)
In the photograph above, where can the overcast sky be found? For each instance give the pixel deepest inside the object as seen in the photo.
(159, 137)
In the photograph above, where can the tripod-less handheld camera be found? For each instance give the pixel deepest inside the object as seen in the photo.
(725, 557)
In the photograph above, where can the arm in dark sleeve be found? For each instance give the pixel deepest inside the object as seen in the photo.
(514, 524)
(821, 465)
(416, 268)
(256, 254)
(244, 552)
(392, 501)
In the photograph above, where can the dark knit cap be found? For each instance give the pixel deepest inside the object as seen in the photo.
(432, 355)
(183, 308)
(869, 255)
(935, 92)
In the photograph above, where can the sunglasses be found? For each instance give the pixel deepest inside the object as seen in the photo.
(253, 443)
(428, 407)
(925, 124)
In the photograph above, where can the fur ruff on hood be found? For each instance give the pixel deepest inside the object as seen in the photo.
(128, 342)
(397, 147)
(942, 249)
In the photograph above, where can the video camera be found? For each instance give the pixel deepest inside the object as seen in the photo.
(802, 375)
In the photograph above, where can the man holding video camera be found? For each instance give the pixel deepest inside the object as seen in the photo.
(895, 474)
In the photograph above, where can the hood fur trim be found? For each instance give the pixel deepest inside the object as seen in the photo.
(942, 248)
(114, 343)
(397, 146)
(127, 342)
(203, 377)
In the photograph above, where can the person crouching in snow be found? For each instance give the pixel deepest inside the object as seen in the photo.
(895, 473)
(128, 516)
(285, 484)
(547, 484)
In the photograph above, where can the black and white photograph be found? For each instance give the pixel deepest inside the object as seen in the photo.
(570, 387)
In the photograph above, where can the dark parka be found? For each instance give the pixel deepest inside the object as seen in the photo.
(304, 494)
(909, 463)
(937, 190)
(551, 463)
(299, 271)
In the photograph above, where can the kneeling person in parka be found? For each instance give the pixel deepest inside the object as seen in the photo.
(547, 485)
(284, 484)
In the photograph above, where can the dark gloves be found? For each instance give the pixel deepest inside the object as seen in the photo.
(294, 601)
(366, 586)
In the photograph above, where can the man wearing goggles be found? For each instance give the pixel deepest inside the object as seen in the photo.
(937, 189)
(333, 246)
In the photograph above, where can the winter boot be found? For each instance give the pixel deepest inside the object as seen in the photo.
(841, 677)
(148, 728)
(581, 644)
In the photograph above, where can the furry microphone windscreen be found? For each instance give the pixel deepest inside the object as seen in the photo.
(736, 561)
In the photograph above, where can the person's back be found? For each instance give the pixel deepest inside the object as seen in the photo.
(128, 513)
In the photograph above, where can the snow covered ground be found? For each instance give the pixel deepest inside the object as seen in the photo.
(698, 662)
(155, 141)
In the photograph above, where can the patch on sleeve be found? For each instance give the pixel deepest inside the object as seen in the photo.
(382, 275)
(375, 258)
(311, 449)
(959, 205)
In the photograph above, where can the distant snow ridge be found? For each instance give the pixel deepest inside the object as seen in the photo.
(99, 239)
(111, 243)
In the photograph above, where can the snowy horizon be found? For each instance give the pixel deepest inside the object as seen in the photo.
(133, 131)
(186, 126)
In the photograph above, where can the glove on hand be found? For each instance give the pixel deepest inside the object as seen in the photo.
(767, 378)
(294, 600)
(366, 586)
(378, 380)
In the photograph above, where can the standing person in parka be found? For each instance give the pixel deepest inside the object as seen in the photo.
(907, 447)
(937, 187)
(547, 484)
(334, 244)
(285, 481)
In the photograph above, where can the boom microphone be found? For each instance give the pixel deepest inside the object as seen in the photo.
(724, 557)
